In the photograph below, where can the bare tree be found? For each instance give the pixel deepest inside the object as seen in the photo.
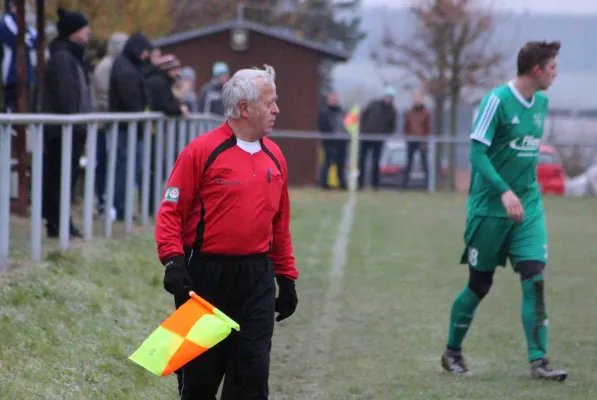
(450, 52)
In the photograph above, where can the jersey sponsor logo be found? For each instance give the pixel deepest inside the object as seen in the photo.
(172, 194)
(221, 181)
(528, 146)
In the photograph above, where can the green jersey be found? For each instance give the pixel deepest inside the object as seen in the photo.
(512, 127)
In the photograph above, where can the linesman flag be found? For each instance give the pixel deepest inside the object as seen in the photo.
(192, 329)
(352, 120)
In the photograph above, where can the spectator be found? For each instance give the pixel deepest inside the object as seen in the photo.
(100, 90)
(184, 88)
(128, 93)
(331, 120)
(160, 85)
(64, 90)
(8, 38)
(379, 117)
(149, 66)
(210, 95)
(417, 126)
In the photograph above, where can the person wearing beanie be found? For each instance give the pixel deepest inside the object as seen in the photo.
(184, 88)
(63, 89)
(379, 117)
(129, 93)
(210, 95)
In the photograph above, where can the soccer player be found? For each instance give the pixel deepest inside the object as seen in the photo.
(505, 211)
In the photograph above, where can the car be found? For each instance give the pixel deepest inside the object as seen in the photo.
(392, 164)
(550, 171)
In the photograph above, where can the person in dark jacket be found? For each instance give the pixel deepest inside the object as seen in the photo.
(379, 117)
(210, 94)
(331, 120)
(160, 82)
(64, 89)
(128, 93)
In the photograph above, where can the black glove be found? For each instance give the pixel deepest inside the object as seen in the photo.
(287, 299)
(176, 277)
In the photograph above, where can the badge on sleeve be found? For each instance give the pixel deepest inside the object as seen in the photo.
(172, 194)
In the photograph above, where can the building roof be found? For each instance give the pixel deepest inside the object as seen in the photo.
(281, 33)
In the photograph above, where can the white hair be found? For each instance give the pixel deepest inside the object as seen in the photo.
(242, 86)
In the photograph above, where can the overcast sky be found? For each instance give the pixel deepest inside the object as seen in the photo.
(533, 6)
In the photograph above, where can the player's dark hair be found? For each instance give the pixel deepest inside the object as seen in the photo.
(536, 53)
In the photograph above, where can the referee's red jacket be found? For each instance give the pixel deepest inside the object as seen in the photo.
(223, 200)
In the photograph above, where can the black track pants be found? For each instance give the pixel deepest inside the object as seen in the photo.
(244, 289)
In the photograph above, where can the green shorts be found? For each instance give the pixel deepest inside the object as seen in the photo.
(490, 241)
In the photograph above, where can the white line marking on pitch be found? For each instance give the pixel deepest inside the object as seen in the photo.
(326, 324)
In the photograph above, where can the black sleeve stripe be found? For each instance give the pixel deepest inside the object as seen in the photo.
(225, 145)
(200, 228)
(271, 155)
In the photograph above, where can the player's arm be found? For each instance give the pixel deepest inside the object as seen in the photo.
(480, 161)
(282, 251)
(177, 203)
(484, 129)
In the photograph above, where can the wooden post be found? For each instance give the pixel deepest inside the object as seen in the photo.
(21, 206)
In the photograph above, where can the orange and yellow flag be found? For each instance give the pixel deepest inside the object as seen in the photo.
(191, 330)
(352, 120)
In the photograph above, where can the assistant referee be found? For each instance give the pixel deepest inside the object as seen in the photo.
(223, 231)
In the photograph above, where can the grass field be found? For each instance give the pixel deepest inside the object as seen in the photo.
(377, 281)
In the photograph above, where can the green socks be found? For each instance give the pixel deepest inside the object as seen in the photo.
(463, 311)
(534, 317)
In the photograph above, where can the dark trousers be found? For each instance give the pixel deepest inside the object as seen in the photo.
(375, 149)
(244, 289)
(335, 152)
(412, 148)
(52, 167)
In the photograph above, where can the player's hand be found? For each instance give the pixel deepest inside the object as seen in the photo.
(513, 207)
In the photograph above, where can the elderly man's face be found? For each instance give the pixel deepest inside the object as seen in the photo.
(262, 114)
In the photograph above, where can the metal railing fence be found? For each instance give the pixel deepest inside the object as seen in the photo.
(169, 137)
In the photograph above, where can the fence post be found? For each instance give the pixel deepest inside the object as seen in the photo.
(146, 172)
(5, 144)
(170, 143)
(159, 167)
(182, 136)
(65, 185)
(130, 177)
(90, 180)
(431, 170)
(37, 190)
(111, 178)
(354, 161)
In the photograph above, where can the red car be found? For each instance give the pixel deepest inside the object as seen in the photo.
(550, 171)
